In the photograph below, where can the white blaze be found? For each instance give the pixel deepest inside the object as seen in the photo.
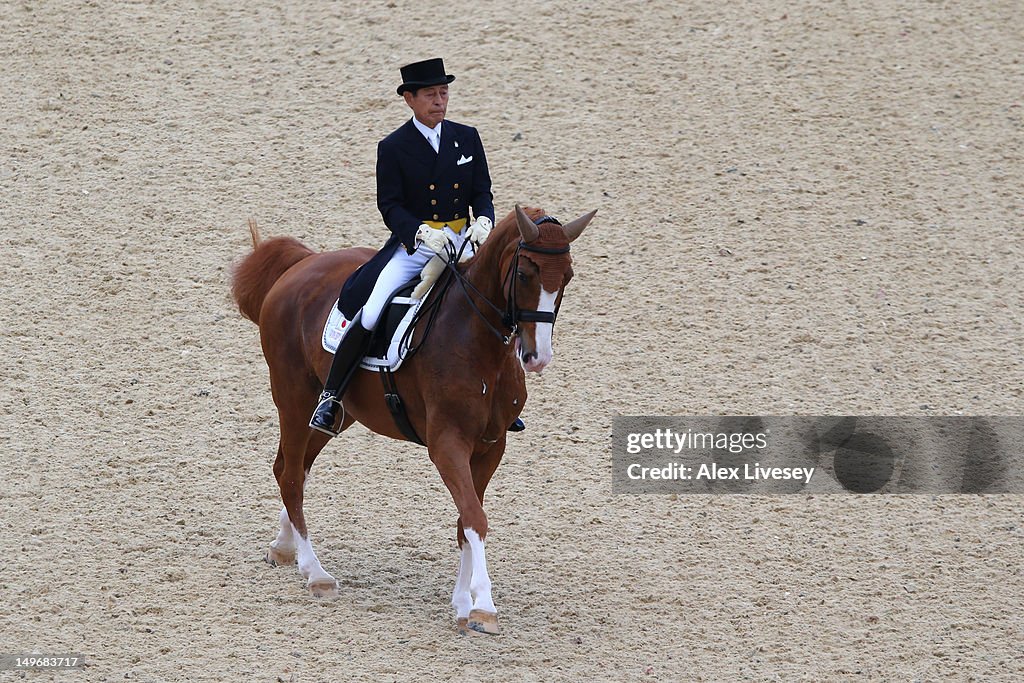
(542, 333)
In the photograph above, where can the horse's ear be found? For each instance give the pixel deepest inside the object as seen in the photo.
(527, 228)
(574, 228)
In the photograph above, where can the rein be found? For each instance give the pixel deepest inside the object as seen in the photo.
(512, 315)
(433, 308)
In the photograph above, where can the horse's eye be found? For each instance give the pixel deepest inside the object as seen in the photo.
(521, 275)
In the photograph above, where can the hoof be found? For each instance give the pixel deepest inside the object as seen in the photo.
(279, 558)
(462, 625)
(483, 622)
(324, 588)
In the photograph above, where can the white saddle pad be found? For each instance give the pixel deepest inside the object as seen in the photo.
(337, 327)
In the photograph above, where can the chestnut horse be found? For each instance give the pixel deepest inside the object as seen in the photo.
(461, 388)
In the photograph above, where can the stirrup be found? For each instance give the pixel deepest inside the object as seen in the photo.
(326, 397)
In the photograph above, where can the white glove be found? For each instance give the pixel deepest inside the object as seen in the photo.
(434, 239)
(479, 230)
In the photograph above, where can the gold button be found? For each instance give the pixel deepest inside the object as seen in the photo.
(456, 215)
(431, 187)
(433, 201)
(456, 186)
(435, 216)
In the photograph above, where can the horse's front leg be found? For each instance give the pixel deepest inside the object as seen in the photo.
(462, 597)
(483, 617)
(472, 600)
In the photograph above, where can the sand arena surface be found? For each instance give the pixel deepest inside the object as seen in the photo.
(803, 210)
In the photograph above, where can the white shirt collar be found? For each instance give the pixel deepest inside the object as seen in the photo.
(431, 134)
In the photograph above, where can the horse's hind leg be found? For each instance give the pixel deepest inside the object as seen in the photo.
(299, 448)
(282, 549)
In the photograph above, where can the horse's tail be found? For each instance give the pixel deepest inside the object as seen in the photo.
(258, 271)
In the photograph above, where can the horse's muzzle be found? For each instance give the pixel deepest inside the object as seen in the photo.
(533, 360)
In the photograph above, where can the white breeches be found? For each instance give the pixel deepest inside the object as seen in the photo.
(400, 269)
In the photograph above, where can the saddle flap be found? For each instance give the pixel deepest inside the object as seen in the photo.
(395, 310)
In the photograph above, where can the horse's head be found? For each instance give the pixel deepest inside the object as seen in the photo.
(538, 268)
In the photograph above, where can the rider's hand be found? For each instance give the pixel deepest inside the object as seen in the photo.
(479, 230)
(434, 239)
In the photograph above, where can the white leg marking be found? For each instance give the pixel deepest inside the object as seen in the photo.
(309, 565)
(285, 541)
(542, 335)
(462, 599)
(480, 583)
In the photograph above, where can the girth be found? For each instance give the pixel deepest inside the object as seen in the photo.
(397, 408)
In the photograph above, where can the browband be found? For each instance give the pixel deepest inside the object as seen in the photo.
(543, 250)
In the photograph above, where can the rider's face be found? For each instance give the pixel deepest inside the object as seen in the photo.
(429, 104)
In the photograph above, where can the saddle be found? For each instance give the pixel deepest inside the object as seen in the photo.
(389, 345)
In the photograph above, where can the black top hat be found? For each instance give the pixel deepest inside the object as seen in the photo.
(424, 74)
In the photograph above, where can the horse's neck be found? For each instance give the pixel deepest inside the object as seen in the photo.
(484, 275)
(484, 272)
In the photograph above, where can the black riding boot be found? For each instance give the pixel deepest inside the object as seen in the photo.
(346, 362)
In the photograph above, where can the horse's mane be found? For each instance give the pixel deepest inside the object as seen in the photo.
(504, 232)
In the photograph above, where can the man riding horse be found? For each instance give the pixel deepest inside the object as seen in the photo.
(430, 174)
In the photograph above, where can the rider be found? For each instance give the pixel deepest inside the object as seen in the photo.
(430, 173)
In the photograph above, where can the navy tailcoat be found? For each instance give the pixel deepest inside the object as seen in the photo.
(416, 184)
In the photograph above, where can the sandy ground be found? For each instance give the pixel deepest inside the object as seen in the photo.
(803, 210)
